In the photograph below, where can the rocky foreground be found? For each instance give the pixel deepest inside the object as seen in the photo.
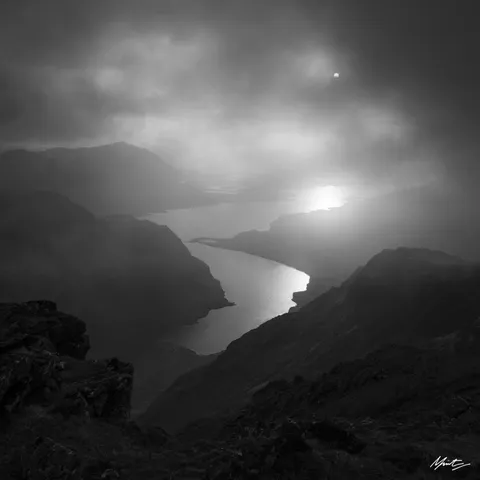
(387, 416)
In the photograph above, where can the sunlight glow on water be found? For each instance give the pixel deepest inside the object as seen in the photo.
(322, 198)
(261, 289)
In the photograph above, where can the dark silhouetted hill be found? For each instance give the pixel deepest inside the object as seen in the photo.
(111, 179)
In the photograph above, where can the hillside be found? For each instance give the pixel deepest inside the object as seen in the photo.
(405, 296)
(132, 281)
(389, 415)
(110, 179)
(62, 416)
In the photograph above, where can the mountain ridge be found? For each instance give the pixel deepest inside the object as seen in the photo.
(328, 245)
(342, 324)
(117, 178)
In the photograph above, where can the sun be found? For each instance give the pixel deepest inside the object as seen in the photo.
(325, 198)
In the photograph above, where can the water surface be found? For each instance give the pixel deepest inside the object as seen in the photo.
(260, 288)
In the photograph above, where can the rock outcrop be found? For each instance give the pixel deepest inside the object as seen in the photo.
(42, 358)
(39, 325)
(61, 416)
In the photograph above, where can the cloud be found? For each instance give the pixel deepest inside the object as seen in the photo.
(246, 87)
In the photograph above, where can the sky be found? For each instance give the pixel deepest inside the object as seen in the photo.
(246, 88)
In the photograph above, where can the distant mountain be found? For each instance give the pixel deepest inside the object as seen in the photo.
(401, 296)
(130, 280)
(329, 245)
(111, 179)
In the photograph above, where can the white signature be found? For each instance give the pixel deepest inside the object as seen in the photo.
(456, 463)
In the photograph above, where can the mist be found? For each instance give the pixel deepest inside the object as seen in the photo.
(239, 92)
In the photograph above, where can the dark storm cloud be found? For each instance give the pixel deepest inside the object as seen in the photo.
(248, 83)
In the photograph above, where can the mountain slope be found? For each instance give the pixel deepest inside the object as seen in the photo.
(388, 415)
(110, 179)
(329, 245)
(130, 280)
(400, 296)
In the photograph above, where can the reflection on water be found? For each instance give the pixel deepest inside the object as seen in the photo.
(322, 198)
(261, 289)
